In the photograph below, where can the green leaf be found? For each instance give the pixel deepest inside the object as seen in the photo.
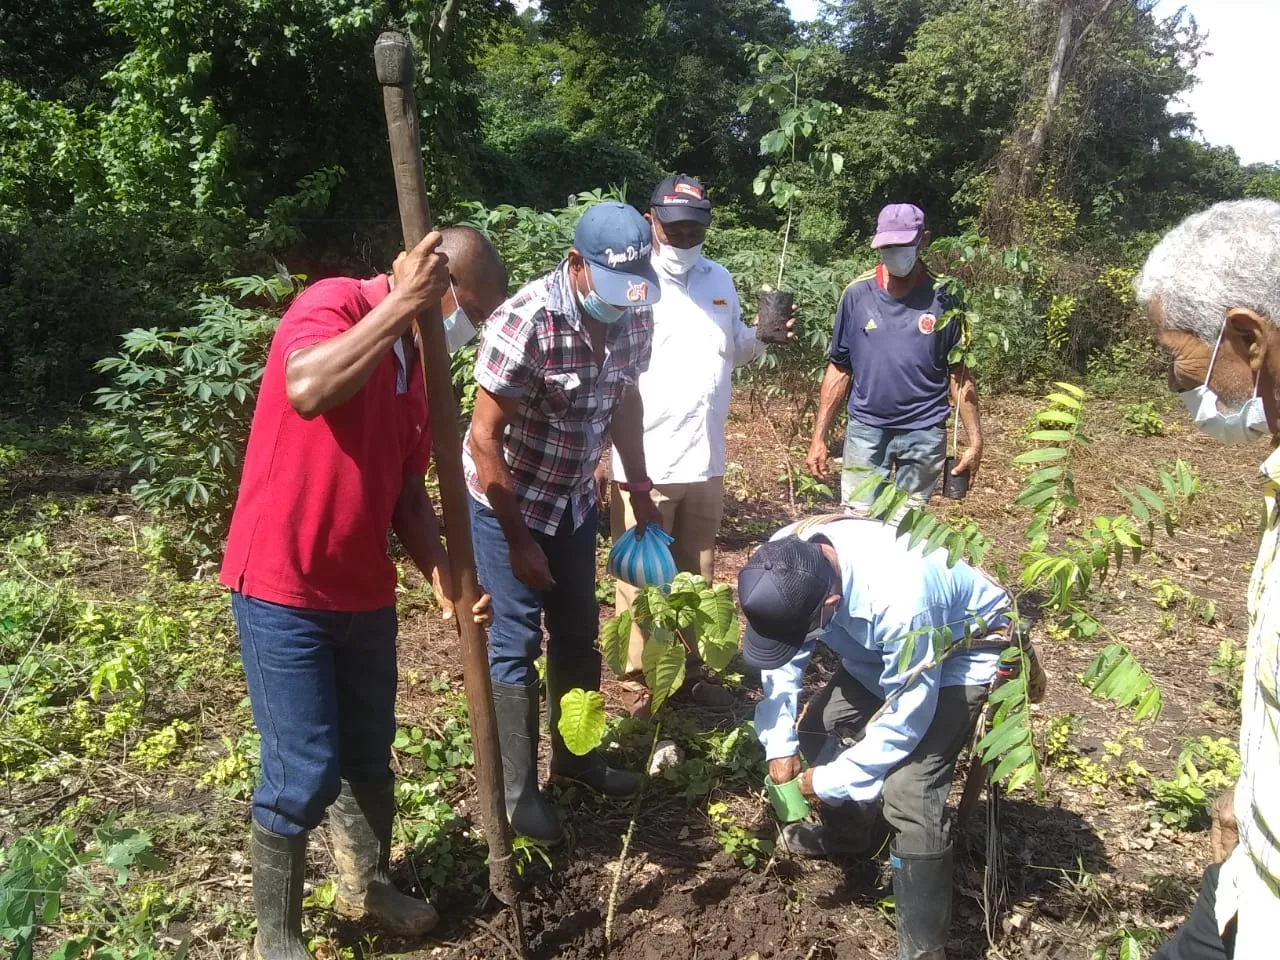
(1033, 497)
(717, 604)
(663, 663)
(1070, 388)
(772, 142)
(1069, 402)
(716, 652)
(122, 849)
(1056, 416)
(1153, 500)
(582, 720)
(1014, 759)
(1003, 737)
(1042, 476)
(615, 638)
(1051, 436)
(1043, 455)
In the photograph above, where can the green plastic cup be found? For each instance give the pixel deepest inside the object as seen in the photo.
(788, 802)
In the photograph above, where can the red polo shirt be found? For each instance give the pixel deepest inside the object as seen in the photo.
(316, 496)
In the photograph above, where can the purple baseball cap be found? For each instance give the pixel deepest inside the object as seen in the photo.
(898, 225)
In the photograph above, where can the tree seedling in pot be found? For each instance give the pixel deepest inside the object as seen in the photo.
(799, 154)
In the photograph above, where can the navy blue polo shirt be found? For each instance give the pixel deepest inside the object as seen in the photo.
(897, 351)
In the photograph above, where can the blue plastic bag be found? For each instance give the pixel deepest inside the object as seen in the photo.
(644, 561)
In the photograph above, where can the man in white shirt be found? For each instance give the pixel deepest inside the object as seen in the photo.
(1211, 288)
(698, 340)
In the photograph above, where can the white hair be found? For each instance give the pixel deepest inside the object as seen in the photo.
(1225, 257)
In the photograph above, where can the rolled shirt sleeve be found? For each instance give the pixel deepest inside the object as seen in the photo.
(858, 773)
(776, 711)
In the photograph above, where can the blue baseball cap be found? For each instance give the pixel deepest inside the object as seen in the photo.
(615, 241)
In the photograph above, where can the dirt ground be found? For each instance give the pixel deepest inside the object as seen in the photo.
(1083, 861)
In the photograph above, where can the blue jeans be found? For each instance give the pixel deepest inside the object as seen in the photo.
(571, 609)
(322, 686)
(915, 455)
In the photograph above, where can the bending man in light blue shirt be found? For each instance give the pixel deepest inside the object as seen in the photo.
(909, 630)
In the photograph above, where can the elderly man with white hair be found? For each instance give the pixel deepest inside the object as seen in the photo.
(1212, 290)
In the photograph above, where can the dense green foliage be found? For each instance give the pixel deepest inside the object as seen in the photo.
(169, 146)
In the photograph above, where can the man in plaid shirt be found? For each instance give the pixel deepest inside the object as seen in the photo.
(557, 369)
(1212, 290)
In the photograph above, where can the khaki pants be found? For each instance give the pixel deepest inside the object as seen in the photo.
(691, 513)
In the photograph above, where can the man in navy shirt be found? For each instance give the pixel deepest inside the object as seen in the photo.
(893, 340)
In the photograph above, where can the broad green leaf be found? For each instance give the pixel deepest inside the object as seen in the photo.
(717, 604)
(1070, 402)
(1070, 388)
(663, 663)
(582, 720)
(716, 652)
(615, 637)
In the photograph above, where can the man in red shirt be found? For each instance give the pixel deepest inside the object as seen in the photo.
(337, 454)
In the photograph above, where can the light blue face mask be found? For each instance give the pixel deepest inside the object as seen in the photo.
(1245, 425)
(599, 308)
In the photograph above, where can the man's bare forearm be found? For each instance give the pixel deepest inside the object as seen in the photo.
(964, 394)
(831, 397)
(326, 375)
(415, 524)
(488, 426)
(628, 435)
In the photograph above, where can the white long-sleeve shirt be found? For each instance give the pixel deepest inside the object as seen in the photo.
(698, 340)
(887, 592)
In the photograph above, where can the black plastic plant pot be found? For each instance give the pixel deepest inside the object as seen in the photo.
(954, 485)
(775, 310)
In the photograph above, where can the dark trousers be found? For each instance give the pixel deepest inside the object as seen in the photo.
(322, 686)
(915, 791)
(1198, 939)
(570, 607)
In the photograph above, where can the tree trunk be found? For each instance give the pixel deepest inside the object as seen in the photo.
(1057, 71)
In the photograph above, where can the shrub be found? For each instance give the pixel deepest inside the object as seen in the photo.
(181, 402)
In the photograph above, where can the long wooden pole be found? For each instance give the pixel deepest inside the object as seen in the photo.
(393, 57)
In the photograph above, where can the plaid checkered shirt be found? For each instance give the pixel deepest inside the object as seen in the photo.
(536, 347)
(1249, 884)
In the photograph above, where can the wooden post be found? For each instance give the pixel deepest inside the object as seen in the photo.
(393, 57)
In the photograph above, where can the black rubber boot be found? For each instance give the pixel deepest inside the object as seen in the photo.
(516, 709)
(582, 672)
(922, 901)
(360, 827)
(279, 864)
(830, 839)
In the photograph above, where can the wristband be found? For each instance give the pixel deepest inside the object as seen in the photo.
(642, 486)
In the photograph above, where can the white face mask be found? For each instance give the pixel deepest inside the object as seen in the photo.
(899, 261)
(1245, 425)
(676, 261)
(458, 329)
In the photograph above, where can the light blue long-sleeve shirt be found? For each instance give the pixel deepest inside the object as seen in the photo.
(888, 592)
